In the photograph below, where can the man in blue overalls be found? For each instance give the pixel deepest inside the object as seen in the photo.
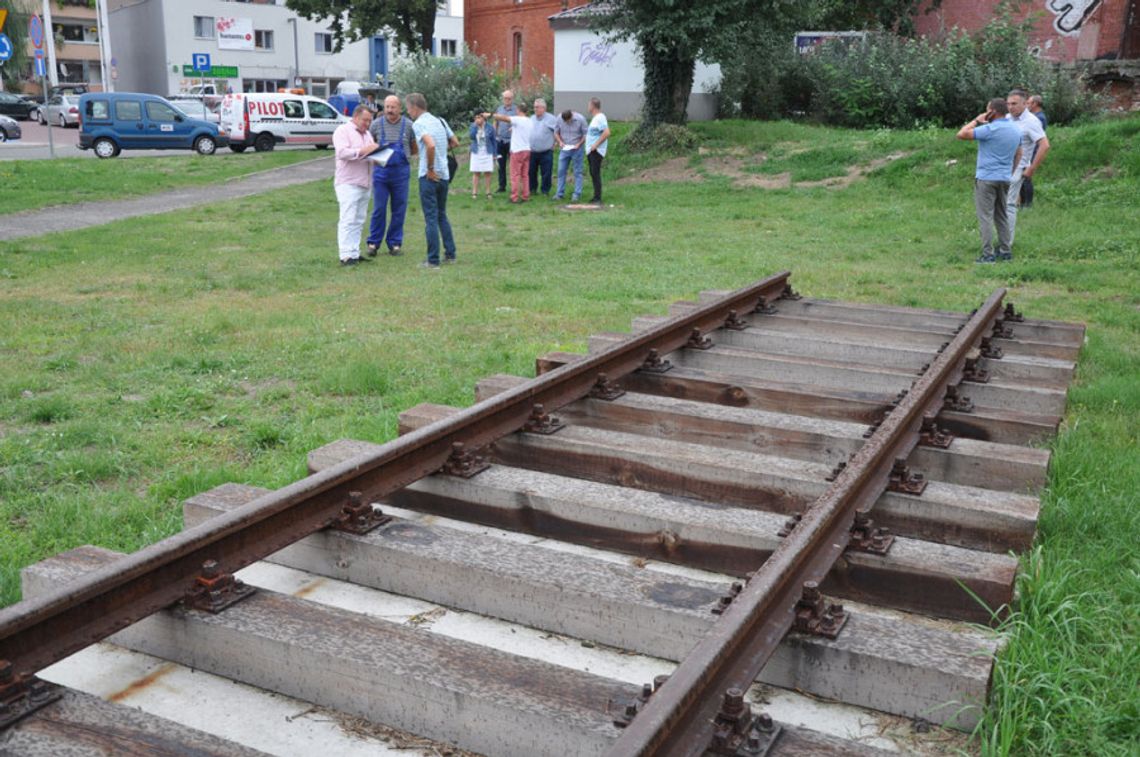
(390, 181)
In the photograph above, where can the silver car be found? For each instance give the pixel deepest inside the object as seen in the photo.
(9, 129)
(61, 110)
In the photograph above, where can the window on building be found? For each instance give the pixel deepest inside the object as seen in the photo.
(204, 27)
(263, 39)
(516, 52)
(324, 42)
(448, 48)
(263, 85)
(72, 33)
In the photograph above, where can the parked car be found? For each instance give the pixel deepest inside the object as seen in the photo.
(115, 121)
(15, 106)
(9, 129)
(196, 106)
(265, 120)
(62, 110)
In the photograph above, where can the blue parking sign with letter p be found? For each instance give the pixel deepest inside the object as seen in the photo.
(201, 61)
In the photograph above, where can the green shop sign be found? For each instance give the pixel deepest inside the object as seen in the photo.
(214, 72)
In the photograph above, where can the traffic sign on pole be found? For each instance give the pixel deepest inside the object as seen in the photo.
(5, 48)
(201, 61)
(36, 32)
(3, 17)
(41, 67)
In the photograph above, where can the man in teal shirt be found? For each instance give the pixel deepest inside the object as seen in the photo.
(999, 150)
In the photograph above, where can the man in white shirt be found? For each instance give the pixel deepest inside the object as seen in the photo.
(1034, 146)
(352, 143)
(597, 140)
(520, 152)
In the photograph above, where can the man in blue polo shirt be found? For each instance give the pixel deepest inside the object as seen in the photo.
(999, 150)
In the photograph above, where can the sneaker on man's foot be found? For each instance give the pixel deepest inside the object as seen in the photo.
(576, 198)
(985, 259)
(372, 248)
(395, 250)
(448, 261)
(429, 266)
(1005, 256)
(350, 261)
(556, 197)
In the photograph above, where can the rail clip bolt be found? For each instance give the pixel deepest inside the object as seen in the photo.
(733, 702)
(764, 722)
(811, 591)
(210, 569)
(6, 672)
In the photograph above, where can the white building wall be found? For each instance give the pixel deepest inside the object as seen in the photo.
(585, 65)
(158, 41)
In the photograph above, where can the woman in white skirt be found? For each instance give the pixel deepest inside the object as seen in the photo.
(484, 150)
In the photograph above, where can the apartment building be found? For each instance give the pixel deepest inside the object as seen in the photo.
(75, 35)
(165, 46)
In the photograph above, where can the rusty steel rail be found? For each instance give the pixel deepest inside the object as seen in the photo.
(684, 714)
(39, 632)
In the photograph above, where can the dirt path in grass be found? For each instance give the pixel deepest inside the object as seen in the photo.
(33, 223)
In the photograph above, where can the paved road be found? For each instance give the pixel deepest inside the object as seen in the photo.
(34, 146)
(81, 215)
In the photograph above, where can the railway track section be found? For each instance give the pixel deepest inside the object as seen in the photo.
(763, 524)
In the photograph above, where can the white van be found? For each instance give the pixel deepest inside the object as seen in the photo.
(264, 120)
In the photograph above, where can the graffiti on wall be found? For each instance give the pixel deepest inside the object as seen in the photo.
(1070, 15)
(600, 53)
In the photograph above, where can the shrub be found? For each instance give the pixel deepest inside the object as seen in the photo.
(527, 95)
(889, 81)
(667, 138)
(455, 88)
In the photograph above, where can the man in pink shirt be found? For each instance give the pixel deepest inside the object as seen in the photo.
(353, 144)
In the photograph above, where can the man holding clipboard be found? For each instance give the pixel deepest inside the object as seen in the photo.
(390, 173)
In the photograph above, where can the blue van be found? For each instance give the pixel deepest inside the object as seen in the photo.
(114, 121)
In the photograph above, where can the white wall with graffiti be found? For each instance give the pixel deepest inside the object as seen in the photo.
(586, 65)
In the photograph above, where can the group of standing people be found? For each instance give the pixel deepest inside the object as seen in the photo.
(373, 157)
(523, 146)
(1011, 146)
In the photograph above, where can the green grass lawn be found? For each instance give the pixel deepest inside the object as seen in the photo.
(31, 184)
(150, 359)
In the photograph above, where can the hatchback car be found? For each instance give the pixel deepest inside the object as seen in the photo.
(9, 129)
(114, 121)
(61, 110)
(15, 106)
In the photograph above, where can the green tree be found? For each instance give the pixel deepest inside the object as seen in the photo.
(15, 69)
(673, 34)
(412, 21)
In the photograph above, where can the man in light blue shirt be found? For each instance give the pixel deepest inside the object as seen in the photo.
(571, 137)
(999, 150)
(542, 126)
(433, 137)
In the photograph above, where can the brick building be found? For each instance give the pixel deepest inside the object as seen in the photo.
(515, 34)
(1066, 31)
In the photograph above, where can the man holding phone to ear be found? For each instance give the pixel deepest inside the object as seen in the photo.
(999, 152)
